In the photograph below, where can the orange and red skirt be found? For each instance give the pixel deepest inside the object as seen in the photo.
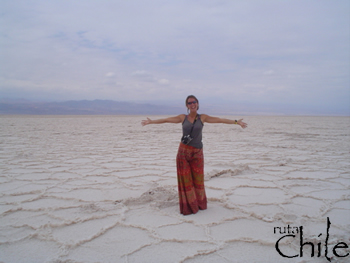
(190, 176)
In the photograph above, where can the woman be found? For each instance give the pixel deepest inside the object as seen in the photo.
(189, 160)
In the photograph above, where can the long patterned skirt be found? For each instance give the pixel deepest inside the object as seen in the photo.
(190, 176)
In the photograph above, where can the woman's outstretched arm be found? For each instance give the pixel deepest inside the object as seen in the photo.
(210, 119)
(176, 119)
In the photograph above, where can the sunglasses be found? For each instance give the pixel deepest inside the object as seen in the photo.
(191, 102)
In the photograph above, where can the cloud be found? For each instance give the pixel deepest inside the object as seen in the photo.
(142, 75)
(145, 76)
(109, 74)
(269, 72)
(227, 49)
(163, 81)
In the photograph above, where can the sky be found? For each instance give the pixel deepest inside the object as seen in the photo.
(262, 56)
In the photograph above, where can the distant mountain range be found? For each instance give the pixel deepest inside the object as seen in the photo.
(84, 107)
(110, 107)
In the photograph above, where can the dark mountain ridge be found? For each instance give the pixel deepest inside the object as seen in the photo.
(84, 107)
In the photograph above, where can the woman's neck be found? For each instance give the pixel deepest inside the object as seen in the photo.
(192, 114)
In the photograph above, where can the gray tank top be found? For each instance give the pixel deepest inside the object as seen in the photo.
(196, 132)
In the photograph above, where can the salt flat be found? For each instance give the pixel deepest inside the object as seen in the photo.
(104, 189)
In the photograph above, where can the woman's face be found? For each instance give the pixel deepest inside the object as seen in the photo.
(192, 104)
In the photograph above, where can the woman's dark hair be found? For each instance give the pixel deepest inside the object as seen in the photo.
(192, 97)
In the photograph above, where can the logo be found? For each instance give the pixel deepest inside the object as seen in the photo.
(322, 248)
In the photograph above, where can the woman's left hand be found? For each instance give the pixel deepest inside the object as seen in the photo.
(242, 124)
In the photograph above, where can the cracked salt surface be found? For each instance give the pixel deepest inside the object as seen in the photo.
(104, 189)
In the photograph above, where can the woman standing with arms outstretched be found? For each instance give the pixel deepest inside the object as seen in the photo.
(189, 159)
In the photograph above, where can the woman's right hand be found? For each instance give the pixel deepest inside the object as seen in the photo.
(176, 119)
(146, 122)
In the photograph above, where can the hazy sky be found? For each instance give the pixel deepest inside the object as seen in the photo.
(261, 53)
